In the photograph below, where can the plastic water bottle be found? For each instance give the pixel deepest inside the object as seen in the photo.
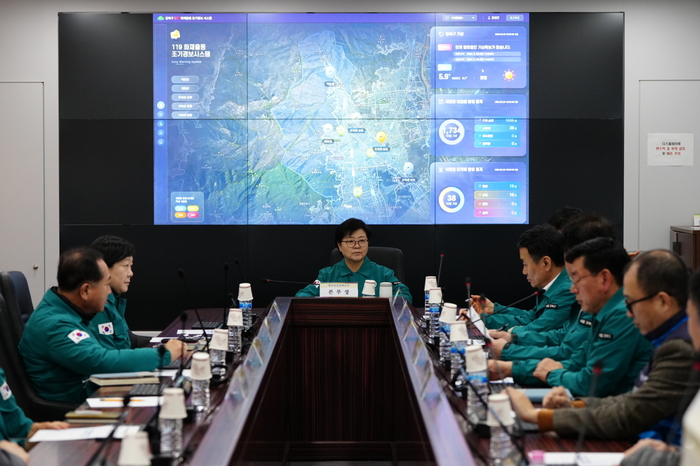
(457, 363)
(235, 339)
(170, 436)
(477, 375)
(430, 282)
(247, 308)
(500, 445)
(435, 308)
(218, 361)
(200, 394)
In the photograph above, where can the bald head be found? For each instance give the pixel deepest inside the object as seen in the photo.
(661, 270)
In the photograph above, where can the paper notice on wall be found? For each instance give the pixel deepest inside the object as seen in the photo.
(670, 149)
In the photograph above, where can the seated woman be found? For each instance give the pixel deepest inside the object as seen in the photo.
(110, 326)
(352, 238)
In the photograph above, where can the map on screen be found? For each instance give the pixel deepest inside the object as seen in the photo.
(314, 118)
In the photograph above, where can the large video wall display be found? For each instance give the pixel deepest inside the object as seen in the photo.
(274, 119)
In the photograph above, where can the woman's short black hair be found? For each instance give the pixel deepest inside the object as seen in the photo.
(113, 249)
(348, 227)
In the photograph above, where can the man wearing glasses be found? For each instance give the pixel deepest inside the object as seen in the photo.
(655, 292)
(352, 238)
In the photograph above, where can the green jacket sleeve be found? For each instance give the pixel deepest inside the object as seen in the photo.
(621, 349)
(625, 416)
(13, 423)
(87, 356)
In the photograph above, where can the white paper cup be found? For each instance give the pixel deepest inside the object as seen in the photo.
(435, 295)
(135, 450)
(385, 289)
(499, 404)
(173, 406)
(475, 358)
(219, 340)
(430, 282)
(369, 288)
(449, 313)
(201, 368)
(245, 292)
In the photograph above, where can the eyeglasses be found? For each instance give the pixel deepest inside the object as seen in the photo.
(351, 243)
(632, 303)
(576, 282)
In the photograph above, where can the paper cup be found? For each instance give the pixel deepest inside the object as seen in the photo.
(219, 340)
(499, 409)
(201, 368)
(135, 450)
(173, 406)
(385, 289)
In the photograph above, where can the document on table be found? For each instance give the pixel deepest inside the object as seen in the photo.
(587, 459)
(117, 402)
(81, 433)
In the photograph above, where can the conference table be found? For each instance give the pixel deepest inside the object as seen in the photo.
(326, 379)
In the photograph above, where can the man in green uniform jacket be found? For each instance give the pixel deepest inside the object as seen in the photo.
(596, 269)
(655, 288)
(110, 327)
(543, 265)
(352, 238)
(59, 350)
(15, 427)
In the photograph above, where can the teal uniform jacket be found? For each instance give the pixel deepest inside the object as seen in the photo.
(14, 425)
(558, 344)
(340, 273)
(60, 351)
(551, 312)
(616, 343)
(109, 326)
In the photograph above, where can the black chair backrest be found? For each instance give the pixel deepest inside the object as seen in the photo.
(35, 407)
(388, 257)
(18, 299)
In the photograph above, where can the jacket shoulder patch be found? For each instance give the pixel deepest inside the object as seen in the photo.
(78, 335)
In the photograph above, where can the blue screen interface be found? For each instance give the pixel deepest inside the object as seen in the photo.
(297, 118)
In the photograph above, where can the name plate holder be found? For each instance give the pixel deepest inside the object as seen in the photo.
(338, 290)
(239, 385)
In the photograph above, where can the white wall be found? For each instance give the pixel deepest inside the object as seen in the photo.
(660, 44)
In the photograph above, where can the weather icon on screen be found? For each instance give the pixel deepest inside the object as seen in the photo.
(509, 75)
(175, 34)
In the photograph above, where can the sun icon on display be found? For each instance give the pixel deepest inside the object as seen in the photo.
(509, 75)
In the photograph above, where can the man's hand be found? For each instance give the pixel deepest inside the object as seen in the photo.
(15, 449)
(176, 347)
(556, 399)
(522, 405)
(43, 425)
(485, 306)
(497, 347)
(657, 445)
(544, 367)
(500, 369)
(495, 334)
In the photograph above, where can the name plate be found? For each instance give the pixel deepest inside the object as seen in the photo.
(338, 290)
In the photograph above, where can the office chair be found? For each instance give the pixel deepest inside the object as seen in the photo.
(35, 407)
(388, 257)
(15, 289)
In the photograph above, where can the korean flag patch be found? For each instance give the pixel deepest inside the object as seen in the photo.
(78, 335)
(106, 329)
(5, 391)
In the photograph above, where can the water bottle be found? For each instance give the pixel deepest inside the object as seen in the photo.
(235, 339)
(245, 302)
(218, 361)
(457, 363)
(448, 316)
(170, 436)
(500, 421)
(200, 394)
(430, 282)
(200, 375)
(500, 445)
(435, 299)
(172, 412)
(477, 376)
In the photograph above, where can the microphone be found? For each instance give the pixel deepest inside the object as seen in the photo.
(238, 265)
(223, 319)
(107, 440)
(597, 370)
(267, 280)
(442, 256)
(468, 283)
(537, 292)
(233, 302)
(181, 274)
